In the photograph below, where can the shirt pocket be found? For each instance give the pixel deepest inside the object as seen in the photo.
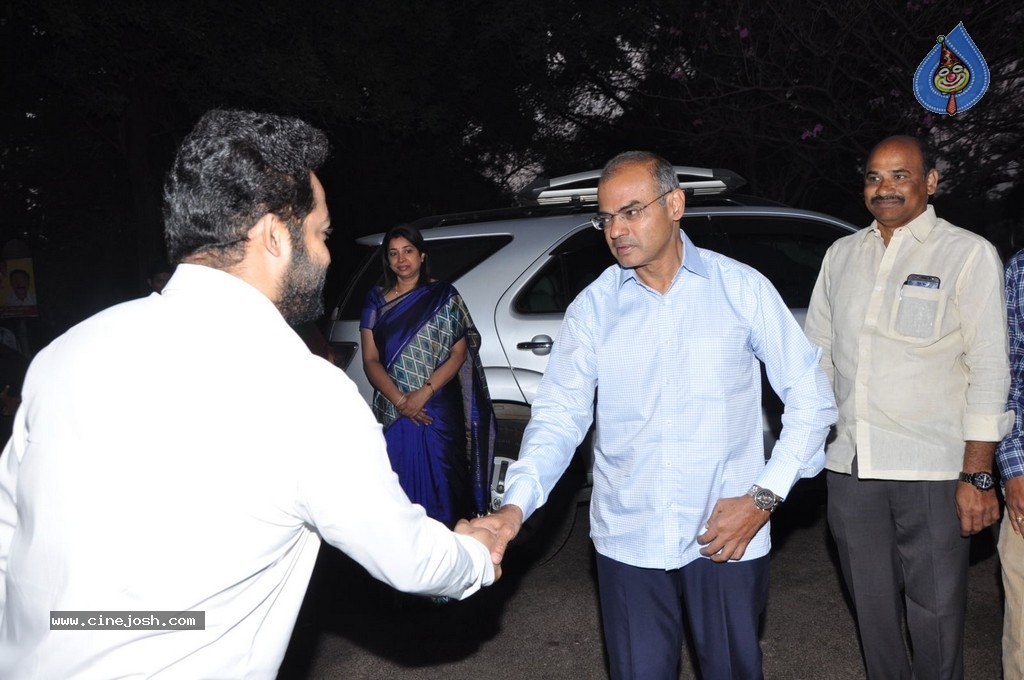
(918, 313)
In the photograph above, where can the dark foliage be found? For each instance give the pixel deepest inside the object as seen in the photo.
(436, 107)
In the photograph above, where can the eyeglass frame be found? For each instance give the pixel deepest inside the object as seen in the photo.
(629, 215)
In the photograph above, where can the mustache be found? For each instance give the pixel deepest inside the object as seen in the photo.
(894, 197)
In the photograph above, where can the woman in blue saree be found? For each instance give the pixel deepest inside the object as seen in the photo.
(420, 353)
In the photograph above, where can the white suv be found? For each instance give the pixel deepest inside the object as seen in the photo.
(518, 269)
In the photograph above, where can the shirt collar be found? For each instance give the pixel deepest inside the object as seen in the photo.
(217, 285)
(919, 227)
(692, 261)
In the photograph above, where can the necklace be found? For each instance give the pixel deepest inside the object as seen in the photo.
(398, 292)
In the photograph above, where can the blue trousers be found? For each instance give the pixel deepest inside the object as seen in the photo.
(642, 612)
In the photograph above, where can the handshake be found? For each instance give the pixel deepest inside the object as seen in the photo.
(494, 531)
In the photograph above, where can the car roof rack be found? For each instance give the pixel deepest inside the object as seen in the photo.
(581, 187)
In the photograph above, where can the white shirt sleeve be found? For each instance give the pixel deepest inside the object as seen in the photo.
(10, 463)
(353, 498)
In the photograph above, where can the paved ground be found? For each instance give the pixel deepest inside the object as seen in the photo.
(541, 620)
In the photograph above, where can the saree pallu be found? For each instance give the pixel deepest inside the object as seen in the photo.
(446, 466)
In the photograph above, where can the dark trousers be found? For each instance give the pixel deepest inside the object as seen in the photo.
(642, 612)
(900, 551)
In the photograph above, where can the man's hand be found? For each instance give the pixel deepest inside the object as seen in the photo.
(734, 521)
(504, 525)
(977, 509)
(488, 538)
(1014, 494)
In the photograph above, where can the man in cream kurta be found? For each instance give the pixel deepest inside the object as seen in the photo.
(909, 314)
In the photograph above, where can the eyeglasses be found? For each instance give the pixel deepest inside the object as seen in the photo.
(629, 215)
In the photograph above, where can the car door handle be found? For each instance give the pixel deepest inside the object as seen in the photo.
(539, 345)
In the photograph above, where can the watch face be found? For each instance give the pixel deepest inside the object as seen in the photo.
(765, 499)
(983, 481)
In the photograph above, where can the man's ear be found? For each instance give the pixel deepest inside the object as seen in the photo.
(932, 181)
(676, 204)
(270, 234)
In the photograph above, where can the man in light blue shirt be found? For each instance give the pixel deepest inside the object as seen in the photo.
(668, 344)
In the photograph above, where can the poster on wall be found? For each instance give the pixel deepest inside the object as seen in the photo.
(17, 288)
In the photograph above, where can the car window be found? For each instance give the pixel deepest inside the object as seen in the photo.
(786, 250)
(449, 259)
(572, 266)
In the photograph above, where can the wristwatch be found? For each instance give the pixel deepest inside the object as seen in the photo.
(765, 499)
(983, 481)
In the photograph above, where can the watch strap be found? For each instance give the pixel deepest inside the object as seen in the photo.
(983, 481)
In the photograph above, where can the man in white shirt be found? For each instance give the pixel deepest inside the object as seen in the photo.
(206, 499)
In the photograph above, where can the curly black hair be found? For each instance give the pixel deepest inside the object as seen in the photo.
(231, 170)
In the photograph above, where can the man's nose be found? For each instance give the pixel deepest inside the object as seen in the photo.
(885, 185)
(615, 226)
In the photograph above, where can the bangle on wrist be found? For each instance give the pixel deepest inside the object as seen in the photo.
(401, 401)
(430, 386)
